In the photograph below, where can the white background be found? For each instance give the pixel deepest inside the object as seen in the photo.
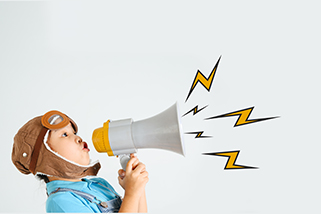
(100, 60)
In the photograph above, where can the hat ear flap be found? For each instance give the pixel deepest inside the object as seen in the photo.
(21, 153)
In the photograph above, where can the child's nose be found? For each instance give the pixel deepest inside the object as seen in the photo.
(78, 139)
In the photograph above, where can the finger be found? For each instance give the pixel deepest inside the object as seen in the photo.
(143, 169)
(121, 173)
(120, 181)
(144, 174)
(132, 155)
(129, 166)
(135, 163)
(144, 177)
(140, 167)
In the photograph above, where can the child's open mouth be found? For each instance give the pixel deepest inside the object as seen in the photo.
(86, 147)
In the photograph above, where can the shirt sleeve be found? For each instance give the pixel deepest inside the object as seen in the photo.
(66, 202)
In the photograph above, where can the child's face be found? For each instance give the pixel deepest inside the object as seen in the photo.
(65, 142)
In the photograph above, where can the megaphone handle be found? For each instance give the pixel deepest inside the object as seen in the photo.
(124, 160)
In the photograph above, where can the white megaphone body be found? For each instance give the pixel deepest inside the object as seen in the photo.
(123, 137)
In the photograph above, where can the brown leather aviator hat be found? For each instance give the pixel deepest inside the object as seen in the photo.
(30, 154)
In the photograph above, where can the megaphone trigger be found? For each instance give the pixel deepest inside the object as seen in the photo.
(124, 158)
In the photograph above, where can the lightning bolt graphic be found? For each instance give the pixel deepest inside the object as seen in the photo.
(195, 110)
(232, 156)
(206, 82)
(198, 134)
(243, 116)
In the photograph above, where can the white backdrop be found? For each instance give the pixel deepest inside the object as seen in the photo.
(99, 60)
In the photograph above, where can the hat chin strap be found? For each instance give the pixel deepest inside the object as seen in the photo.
(36, 150)
(92, 163)
(53, 164)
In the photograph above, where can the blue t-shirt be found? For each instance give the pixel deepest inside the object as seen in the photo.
(72, 203)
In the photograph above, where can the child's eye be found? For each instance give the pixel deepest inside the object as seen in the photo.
(64, 134)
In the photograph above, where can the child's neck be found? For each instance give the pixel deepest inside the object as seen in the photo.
(52, 178)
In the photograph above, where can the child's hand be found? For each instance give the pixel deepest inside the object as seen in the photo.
(134, 179)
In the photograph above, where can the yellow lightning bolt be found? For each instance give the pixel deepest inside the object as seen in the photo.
(232, 156)
(195, 110)
(206, 82)
(243, 117)
(198, 134)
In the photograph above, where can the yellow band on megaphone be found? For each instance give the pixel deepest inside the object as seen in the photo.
(101, 141)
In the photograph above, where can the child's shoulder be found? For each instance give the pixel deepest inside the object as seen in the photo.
(98, 180)
(67, 202)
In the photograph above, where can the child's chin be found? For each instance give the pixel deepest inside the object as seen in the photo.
(84, 161)
(88, 161)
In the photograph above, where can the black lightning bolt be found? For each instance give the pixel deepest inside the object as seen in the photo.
(198, 134)
(195, 110)
(206, 82)
(232, 156)
(243, 116)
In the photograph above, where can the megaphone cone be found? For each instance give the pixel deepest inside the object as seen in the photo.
(162, 131)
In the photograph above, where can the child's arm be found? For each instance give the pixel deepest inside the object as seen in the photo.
(142, 203)
(133, 182)
(142, 207)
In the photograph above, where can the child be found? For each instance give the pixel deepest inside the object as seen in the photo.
(48, 147)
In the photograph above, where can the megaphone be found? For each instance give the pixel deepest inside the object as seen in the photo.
(123, 137)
